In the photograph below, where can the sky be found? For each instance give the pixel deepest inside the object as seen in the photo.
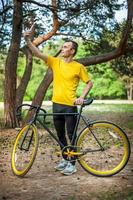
(122, 14)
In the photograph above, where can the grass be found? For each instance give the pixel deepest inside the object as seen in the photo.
(110, 108)
(130, 125)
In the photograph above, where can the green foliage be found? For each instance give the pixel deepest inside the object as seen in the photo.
(38, 72)
(108, 41)
(107, 83)
(36, 78)
(21, 65)
(52, 47)
(106, 77)
(85, 49)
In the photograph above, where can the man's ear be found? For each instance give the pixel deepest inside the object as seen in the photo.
(73, 51)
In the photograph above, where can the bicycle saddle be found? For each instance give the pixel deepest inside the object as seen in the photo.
(87, 101)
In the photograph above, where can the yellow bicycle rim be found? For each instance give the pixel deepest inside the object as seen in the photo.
(26, 168)
(124, 159)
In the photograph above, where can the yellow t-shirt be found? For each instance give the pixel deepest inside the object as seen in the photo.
(66, 78)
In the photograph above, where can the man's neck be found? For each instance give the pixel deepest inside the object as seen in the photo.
(68, 60)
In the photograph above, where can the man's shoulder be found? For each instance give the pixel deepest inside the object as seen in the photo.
(52, 60)
(52, 57)
(78, 64)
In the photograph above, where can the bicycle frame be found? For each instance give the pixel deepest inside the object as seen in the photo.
(78, 114)
(36, 119)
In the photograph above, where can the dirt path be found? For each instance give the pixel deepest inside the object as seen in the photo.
(42, 182)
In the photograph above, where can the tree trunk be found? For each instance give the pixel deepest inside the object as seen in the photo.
(41, 91)
(11, 66)
(26, 77)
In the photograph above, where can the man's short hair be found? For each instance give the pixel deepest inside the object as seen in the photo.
(74, 45)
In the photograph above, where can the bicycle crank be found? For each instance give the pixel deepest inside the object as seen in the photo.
(70, 153)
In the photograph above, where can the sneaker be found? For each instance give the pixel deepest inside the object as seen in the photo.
(62, 164)
(69, 169)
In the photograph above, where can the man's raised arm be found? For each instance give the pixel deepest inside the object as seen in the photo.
(32, 47)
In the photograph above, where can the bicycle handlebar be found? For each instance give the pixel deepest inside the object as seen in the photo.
(38, 108)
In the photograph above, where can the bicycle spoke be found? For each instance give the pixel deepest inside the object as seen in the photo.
(113, 148)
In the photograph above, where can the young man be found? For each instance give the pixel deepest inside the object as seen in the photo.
(66, 76)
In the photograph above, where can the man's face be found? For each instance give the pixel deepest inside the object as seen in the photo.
(67, 49)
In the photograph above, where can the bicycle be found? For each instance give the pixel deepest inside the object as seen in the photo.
(102, 148)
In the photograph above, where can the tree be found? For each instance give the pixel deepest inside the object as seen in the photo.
(22, 87)
(11, 66)
(122, 65)
(68, 16)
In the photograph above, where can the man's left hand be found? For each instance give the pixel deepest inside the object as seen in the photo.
(79, 101)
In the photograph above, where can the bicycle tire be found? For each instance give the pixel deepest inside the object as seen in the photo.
(24, 150)
(108, 161)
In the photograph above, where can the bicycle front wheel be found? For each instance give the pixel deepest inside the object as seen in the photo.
(24, 150)
(104, 149)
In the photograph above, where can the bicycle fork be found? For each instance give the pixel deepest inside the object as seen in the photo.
(23, 141)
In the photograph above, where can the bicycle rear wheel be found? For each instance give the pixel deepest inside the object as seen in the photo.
(24, 150)
(104, 148)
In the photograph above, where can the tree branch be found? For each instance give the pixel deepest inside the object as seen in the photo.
(43, 38)
(129, 49)
(122, 45)
(5, 10)
(39, 4)
(127, 29)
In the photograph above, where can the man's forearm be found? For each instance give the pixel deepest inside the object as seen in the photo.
(87, 89)
(35, 50)
(27, 35)
(80, 100)
(32, 47)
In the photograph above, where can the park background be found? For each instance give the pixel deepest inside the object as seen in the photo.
(99, 29)
(103, 30)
